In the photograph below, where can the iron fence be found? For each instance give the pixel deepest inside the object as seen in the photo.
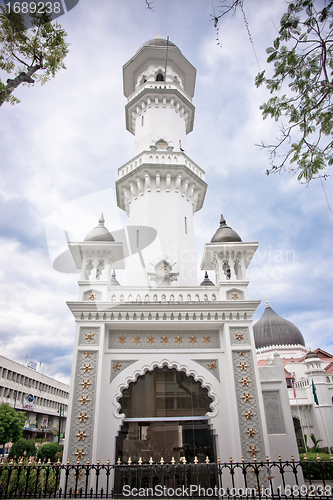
(266, 480)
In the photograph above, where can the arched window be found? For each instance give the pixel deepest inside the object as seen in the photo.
(159, 77)
(165, 417)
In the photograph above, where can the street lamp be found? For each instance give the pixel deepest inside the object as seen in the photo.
(60, 411)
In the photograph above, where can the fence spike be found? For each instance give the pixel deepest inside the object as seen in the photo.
(20, 461)
(140, 461)
(218, 460)
(318, 458)
(119, 461)
(305, 458)
(279, 457)
(68, 462)
(88, 462)
(98, 461)
(243, 460)
(230, 460)
(129, 461)
(108, 462)
(195, 460)
(255, 459)
(58, 462)
(331, 457)
(292, 458)
(40, 462)
(207, 460)
(49, 462)
(173, 461)
(151, 461)
(183, 459)
(162, 461)
(267, 458)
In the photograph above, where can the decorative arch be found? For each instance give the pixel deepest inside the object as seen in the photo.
(169, 364)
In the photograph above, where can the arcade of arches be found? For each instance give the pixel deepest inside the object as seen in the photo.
(165, 417)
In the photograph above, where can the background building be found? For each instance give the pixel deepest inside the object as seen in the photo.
(42, 398)
(308, 376)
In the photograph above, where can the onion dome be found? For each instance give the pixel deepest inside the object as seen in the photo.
(273, 330)
(99, 233)
(225, 233)
(206, 281)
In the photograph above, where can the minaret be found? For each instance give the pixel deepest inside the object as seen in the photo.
(161, 187)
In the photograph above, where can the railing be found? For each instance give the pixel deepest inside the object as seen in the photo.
(230, 480)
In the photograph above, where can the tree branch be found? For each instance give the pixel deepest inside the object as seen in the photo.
(12, 84)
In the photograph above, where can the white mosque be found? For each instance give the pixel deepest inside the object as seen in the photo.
(166, 365)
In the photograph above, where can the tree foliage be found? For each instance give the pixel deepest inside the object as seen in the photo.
(301, 88)
(38, 51)
(23, 447)
(11, 424)
(48, 451)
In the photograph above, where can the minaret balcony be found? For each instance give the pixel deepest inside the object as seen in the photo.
(157, 171)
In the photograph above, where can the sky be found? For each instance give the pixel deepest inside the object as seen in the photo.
(60, 149)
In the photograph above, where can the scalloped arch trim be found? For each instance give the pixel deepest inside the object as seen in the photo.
(170, 364)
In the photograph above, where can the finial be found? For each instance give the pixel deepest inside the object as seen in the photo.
(267, 304)
(101, 220)
(114, 273)
(206, 275)
(222, 221)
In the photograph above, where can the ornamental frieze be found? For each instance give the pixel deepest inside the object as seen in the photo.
(164, 339)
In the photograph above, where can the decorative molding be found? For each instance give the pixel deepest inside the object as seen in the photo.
(118, 365)
(82, 420)
(212, 365)
(235, 294)
(164, 339)
(92, 295)
(159, 364)
(251, 433)
(89, 336)
(239, 335)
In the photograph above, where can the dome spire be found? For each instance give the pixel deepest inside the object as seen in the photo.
(101, 220)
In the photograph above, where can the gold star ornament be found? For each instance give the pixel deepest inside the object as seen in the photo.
(178, 339)
(84, 400)
(81, 435)
(92, 296)
(86, 368)
(87, 354)
(239, 336)
(241, 353)
(85, 384)
(242, 365)
(249, 414)
(244, 381)
(253, 450)
(116, 366)
(212, 365)
(82, 417)
(250, 432)
(193, 339)
(234, 295)
(164, 339)
(246, 397)
(136, 339)
(122, 339)
(150, 339)
(89, 336)
(206, 339)
(79, 454)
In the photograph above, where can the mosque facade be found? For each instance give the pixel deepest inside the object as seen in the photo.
(165, 365)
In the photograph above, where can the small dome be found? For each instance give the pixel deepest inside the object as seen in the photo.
(206, 281)
(225, 233)
(271, 330)
(311, 355)
(99, 233)
(157, 42)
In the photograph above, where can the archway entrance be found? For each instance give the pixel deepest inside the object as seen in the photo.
(165, 417)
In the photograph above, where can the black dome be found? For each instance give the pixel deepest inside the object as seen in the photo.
(271, 330)
(225, 233)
